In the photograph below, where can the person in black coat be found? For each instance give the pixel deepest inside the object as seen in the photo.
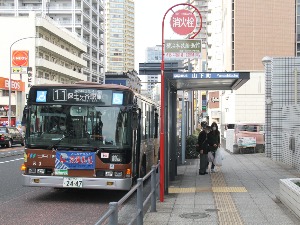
(213, 139)
(202, 146)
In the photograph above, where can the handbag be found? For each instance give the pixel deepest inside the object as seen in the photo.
(218, 158)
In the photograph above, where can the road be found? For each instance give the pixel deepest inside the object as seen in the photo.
(47, 206)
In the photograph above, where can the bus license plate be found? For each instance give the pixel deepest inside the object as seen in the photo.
(72, 182)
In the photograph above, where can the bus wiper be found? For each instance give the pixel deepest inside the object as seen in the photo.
(54, 145)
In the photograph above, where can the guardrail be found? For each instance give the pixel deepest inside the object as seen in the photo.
(112, 213)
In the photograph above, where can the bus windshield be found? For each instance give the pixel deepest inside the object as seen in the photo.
(70, 126)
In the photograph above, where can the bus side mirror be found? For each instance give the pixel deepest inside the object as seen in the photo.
(134, 123)
(24, 117)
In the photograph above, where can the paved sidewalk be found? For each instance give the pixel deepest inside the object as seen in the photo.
(244, 191)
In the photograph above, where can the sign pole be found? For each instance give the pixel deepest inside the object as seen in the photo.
(9, 89)
(162, 91)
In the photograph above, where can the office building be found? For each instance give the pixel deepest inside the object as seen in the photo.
(83, 18)
(153, 55)
(241, 32)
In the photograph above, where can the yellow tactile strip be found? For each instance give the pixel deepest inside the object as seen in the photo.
(173, 190)
(227, 210)
(228, 213)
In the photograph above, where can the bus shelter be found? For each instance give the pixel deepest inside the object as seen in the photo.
(186, 81)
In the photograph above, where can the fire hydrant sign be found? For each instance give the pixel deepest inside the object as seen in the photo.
(183, 22)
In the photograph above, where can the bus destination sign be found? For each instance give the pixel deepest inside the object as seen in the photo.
(74, 96)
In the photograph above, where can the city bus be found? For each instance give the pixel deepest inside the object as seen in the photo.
(88, 135)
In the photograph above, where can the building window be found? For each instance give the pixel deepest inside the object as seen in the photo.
(5, 93)
(40, 74)
(47, 76)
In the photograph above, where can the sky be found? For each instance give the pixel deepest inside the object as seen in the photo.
(148, 25)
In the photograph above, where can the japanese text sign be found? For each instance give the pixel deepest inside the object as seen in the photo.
(183, 22)
(20, 58)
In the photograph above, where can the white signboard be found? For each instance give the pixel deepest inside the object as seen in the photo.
(246, 142)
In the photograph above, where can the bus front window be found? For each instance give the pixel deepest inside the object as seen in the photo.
(86, 126)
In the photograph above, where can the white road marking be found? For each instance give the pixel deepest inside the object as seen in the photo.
(11, 160)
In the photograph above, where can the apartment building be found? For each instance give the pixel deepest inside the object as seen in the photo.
(119, 22)
(35, 51)
(83, 18)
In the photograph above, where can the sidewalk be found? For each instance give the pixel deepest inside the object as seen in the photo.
(244, 191)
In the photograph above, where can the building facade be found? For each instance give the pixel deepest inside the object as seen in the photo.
(36, 52)
(152, 55)
(129, 79)
(83, 18)
(282, 109)
(119, 27)
(239, 34)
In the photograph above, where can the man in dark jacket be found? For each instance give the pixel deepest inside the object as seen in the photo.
(202, 146)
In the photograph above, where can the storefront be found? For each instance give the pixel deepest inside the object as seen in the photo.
(17, 86)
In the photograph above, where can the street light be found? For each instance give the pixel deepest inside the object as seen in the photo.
(9, 86)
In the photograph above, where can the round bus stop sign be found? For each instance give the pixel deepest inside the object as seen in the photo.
(183, 22)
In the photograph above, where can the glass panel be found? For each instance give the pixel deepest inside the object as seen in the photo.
(75, 126)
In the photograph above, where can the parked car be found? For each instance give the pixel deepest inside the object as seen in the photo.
(10, 136)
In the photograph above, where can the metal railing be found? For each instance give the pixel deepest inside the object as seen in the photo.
(112, 213)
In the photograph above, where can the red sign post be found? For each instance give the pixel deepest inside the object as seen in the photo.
(183, 22)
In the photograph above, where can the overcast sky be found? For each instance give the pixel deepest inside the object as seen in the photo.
(148, 25)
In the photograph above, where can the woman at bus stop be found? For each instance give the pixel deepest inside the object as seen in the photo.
(213, 139)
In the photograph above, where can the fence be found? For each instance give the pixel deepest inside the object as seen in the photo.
(112, 212)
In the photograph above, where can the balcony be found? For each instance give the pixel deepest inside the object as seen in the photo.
(61, 70)
(59, 52)
(50, 25)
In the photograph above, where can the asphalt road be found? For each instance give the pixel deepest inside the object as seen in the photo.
(47, 206)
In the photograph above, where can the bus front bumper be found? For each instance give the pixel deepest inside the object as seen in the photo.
(87, 183)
